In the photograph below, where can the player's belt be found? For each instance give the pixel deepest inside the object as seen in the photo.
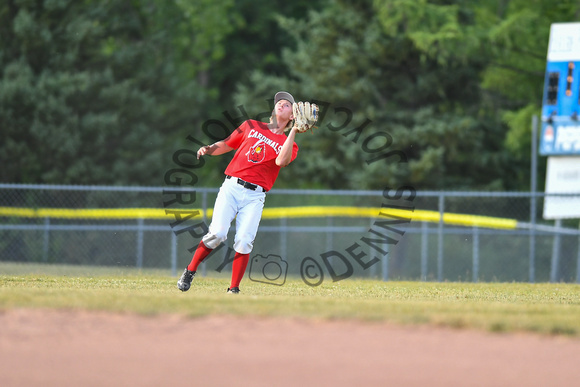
(247, 185)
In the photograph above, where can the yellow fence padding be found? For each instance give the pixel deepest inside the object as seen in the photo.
(269, 213)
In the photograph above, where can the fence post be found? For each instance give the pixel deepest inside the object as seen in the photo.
(284, 238)
(578, 260)
(440, 238)
(533, 189)
(374, 269)
(329, 236)
(329, 233)
(139, 243)
(556, 252)
(385, 263)
(46, 240)
(424, 249)
(173, 254)
(204, 209)
(475, 253)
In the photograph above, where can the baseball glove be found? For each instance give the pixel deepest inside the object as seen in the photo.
(305, 116)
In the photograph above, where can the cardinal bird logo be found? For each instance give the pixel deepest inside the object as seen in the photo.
(257, 152)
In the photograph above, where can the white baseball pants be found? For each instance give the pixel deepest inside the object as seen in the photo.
(243, 204)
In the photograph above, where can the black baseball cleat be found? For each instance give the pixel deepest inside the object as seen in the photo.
(184, 282)
(235, 290)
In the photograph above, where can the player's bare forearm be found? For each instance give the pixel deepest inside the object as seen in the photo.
(285, 156)
(216, 149)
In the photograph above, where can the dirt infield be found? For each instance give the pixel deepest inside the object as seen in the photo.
(69, 348)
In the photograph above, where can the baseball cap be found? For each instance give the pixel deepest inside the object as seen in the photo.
(283, 95)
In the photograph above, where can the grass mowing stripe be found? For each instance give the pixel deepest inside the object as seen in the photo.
(500, 307)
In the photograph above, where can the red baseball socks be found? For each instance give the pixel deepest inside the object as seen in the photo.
(238, 267)
(201, 252)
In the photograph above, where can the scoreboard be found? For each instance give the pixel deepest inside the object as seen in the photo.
(560, 138)
(561, 100)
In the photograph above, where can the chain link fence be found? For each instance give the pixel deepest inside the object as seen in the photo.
(400, 234)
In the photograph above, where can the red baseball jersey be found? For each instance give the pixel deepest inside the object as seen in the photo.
(257, 149)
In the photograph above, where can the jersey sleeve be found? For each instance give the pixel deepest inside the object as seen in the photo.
(235, 139)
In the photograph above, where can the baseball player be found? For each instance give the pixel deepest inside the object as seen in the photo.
(261, 150)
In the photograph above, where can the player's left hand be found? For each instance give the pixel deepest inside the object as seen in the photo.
(305, 116)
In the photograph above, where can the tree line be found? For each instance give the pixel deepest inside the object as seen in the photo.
(440, 93)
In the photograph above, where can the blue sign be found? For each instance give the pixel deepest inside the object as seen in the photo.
(560, 137)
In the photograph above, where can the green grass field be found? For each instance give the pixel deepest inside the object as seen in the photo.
(496, 307)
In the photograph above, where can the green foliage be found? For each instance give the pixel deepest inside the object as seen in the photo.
(85, 90)
(437, 29)
(105, 92)
(445, 79)
(429, 102)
